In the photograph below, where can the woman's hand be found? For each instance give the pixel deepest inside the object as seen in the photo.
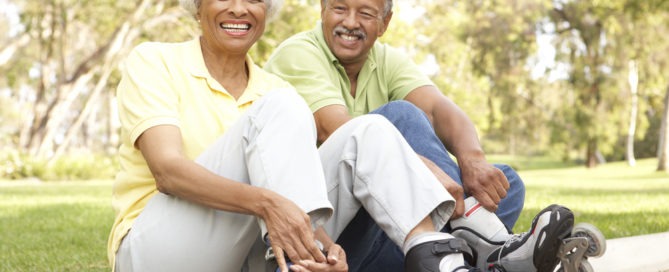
(336, 262)
(289, 231)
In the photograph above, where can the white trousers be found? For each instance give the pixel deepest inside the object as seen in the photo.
(365, 164)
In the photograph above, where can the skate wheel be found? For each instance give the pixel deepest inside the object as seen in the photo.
(596, 240)
(585, 266)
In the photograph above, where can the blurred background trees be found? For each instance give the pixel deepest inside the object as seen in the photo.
(575, 79)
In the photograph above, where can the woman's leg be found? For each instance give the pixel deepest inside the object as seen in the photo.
(267, 147)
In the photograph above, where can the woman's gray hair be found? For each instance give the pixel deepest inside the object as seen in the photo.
(273, 7)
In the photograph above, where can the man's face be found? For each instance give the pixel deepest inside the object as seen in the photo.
(351, 27)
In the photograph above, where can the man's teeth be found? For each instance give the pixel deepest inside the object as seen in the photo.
(349, 37)
(236, 27)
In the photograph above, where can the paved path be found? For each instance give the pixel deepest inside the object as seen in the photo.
(635, 254)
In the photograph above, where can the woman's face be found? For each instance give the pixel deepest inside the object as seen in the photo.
(232, 26)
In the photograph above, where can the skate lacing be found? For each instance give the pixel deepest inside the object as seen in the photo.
(468, 269)
(496, 268)
(515, 238)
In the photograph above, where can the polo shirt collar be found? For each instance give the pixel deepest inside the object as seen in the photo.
(197, 67)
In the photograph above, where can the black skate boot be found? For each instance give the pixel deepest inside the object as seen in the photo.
(535, 250)
(427, 256)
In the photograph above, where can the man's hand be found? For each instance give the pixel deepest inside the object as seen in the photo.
(484, 182)
(453, 188)
(336, 262)
(290, 233)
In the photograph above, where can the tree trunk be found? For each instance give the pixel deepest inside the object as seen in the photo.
(633, 81)
(7, 51)
(70, 88)
(592, 159)
(663, 147)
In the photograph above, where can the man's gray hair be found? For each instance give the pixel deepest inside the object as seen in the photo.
(273, 7)
(387, 7)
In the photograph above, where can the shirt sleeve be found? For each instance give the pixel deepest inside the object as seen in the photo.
(402, 74)
(306, 68)
(145, 97)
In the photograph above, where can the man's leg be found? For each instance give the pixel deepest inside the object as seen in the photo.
(366, 180)
(265, 148)
(376, 251)
(418, 132)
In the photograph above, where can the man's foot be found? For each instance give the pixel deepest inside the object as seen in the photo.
(444, 255)
(535, 250)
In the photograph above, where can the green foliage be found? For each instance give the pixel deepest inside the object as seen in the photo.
(485, 51)
(17, 165)
(295, 16)
(14, 165)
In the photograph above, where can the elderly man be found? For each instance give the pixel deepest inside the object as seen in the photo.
(342, 72)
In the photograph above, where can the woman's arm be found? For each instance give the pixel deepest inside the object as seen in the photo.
(288, 226)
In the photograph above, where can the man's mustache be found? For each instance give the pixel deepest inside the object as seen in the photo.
(338, 30)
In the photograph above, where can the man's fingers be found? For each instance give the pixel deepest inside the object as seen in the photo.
(487, 202)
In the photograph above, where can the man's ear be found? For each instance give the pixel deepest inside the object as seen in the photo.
(386, 22)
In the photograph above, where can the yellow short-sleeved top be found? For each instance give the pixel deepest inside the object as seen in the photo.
(169, 84)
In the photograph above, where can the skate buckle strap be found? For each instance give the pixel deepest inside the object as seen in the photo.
(451, 246)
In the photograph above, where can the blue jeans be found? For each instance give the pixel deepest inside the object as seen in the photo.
(366, 245)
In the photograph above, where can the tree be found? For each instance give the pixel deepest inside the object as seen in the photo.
(72, 51)
(581, 29)
(663, 150)
(634, 83)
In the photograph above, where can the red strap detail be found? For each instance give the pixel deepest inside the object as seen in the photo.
(473, 209)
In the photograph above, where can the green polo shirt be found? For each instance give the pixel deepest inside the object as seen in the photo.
(306, 62)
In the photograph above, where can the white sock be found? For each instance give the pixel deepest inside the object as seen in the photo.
(449, 262)
(482, 221)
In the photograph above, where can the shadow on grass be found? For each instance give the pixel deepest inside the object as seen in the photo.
(588, 192)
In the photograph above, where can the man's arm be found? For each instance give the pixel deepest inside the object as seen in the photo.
(328, 119)
(480, 179)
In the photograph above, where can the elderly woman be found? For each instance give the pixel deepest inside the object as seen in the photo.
(213, 154)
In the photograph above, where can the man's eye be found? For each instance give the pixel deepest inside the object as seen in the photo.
(367, 15)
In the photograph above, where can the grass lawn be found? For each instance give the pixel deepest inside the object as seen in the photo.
(620, 200)
(63, 226)
(54, 226)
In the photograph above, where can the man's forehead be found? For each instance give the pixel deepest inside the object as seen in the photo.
(374, 4)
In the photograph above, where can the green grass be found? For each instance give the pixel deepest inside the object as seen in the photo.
(63, 226)
(54, 226)
(620, 200)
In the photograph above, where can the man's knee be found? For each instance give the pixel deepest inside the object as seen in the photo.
(401, 111)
